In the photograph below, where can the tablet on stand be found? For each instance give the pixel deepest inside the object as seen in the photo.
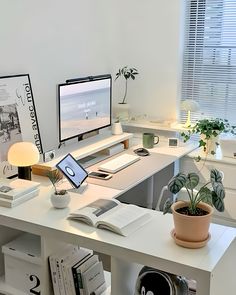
(75, 174)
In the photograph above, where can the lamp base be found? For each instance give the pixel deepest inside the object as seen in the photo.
(24, 172)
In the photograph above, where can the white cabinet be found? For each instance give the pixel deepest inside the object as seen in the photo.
(211, 267)
(228, 217)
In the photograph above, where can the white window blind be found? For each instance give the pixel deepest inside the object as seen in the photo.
(209, 63)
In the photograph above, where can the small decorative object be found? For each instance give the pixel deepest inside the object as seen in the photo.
(117, 128)
(122, 110)
(209, 131)
(60, 198)
(173, 142)
(189, 105)
(192, 217)
(23, 155)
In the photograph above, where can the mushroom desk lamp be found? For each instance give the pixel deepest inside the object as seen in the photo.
(189, 105)
(23, 155)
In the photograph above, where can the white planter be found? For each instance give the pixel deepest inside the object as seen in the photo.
(211, 144)
(60, 201)
(116, 128)
(122, 111)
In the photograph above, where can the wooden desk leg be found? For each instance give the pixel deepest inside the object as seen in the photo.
(150, 184)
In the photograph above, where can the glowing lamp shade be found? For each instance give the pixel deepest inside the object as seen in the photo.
(189, 105)
(23, 155)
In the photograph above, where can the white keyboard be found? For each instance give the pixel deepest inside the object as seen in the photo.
(119, 163)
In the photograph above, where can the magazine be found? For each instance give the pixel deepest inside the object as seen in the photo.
(112, 215)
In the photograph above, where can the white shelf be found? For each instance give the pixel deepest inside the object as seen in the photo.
(108, 283)
(85, 148)
(8, 290)
(156, 126)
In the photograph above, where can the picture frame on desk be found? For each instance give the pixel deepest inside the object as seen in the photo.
(18, 119)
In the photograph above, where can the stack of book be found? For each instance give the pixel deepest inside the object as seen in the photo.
(76, 271)
(16, 191)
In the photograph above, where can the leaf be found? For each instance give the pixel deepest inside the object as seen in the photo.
(218, 188)
(205, 195)
(176, 183)
(218, 203)
(167, 205)
(192, 180)
(202, 143)
(216, 176)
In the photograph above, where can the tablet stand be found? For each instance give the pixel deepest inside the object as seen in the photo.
(80, 189)
(66, 185)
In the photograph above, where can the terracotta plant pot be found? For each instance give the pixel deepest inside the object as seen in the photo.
(191, 228)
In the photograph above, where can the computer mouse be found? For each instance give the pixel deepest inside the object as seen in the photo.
(142, 152)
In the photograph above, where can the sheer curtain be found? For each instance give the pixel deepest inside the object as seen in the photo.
(209, 63)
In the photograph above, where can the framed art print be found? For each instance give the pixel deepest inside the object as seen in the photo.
(18, 120)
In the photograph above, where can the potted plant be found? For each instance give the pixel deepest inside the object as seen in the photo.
(127, 73)
(209, 131)
(60, 198)
(192, 216)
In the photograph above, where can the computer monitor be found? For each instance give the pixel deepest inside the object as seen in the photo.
(84, 106)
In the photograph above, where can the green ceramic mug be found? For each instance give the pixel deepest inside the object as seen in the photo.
(149, 140)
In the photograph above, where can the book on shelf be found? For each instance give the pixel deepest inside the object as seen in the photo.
(12, 203)
(112, 215)
(14, 188)
(71, 270)
(81, 268)
(94, 280)
(56, 261)
(61, 264)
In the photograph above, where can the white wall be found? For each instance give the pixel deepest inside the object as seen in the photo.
(56, 40)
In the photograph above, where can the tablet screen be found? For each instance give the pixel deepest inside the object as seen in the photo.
(72, 170)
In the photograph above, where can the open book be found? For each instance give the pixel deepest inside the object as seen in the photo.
(120, 218)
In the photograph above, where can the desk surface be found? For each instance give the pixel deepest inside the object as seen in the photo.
(160, 157)
(151, 244)
(135, 173)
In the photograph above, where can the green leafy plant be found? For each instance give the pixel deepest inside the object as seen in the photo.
(212, 192)
(209, 128)
(127, 73)
(55, 176)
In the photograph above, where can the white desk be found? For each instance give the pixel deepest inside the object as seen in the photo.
(150, 245)
(212, 266)
(160, 157)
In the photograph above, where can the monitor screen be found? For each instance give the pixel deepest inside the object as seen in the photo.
(84, 106)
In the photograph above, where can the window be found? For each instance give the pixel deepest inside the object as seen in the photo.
(209, 64)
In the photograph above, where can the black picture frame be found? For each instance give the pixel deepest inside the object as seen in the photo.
(18, 118)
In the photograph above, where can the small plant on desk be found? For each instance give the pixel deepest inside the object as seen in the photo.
(55, 176)
(60, 198)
